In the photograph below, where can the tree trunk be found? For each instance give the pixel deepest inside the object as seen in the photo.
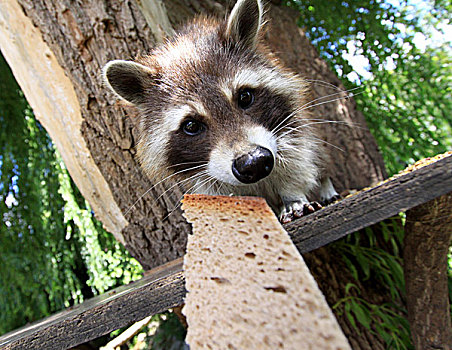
(57, 50)
(426, 246)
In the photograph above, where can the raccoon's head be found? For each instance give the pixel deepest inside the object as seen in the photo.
(213, 103)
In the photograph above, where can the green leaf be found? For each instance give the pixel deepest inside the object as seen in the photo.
(362, 314)
(350, 317)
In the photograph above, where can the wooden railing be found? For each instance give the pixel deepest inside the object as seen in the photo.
(163, 287)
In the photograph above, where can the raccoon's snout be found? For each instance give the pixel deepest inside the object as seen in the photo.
(253, 166)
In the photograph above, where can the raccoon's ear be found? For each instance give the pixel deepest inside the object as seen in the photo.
(245, 22)
(128, 79)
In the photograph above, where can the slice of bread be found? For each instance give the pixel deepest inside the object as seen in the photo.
(248, 287)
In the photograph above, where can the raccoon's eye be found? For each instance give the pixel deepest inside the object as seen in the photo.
(193, 127)
(245, 98)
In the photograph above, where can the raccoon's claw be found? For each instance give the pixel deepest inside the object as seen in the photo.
(316, 205)
(297, 211)
(331, 200)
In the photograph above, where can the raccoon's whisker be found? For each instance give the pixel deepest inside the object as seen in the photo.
(195, 179)
(178, 172)
(329, 101)
(330, 144)
(296, 121)
(194, 191)
(327, 84)
(305, 107)
(323, 83)
(287, 149)
(186, 163)
(172, 211)
(297, 129)
(348, 92)
(212, 184)
(180, 198)
(195, 188)
(220, 187)
(281, 125)
(158, 183)
(216, 184)
(136, 202)
(300, 127)
(278, 127)
(326, 121)
(348, 123)
(181, 171)
(180, 182)
(310, 104)
(282, 160)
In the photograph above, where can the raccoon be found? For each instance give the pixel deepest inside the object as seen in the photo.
(221, 115)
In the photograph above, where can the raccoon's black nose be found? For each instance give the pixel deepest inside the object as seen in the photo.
(253, 166)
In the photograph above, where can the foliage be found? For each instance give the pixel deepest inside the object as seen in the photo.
(108, 263)
(31, 248)
(368, 260)
(52, 252)
(170, 333)
(406, 90)
(417, 97)
(162, 331)
(379, 319)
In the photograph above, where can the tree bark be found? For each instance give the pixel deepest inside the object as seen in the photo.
(79, 38)
(428, 234)
(82, 37)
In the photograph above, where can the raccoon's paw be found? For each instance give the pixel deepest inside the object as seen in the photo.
(331, 200)
(295, 210)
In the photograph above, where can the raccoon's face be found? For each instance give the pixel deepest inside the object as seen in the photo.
(211, 102)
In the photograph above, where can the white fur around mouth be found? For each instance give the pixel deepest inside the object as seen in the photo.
(222, 156)
(220, 166)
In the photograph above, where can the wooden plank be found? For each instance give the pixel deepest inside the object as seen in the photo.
(373, 205)
(164, 288)
(158, 291)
